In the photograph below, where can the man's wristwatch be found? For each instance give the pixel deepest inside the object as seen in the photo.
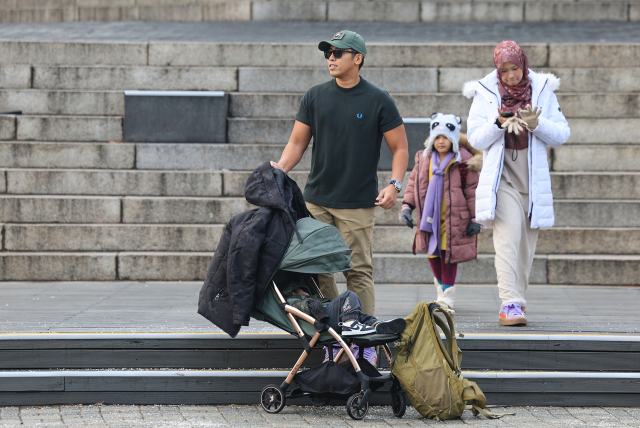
(397, 184)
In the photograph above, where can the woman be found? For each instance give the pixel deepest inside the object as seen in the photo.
(514, 190)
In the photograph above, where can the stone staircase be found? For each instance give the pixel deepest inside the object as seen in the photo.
(13, 11)
(79, 204)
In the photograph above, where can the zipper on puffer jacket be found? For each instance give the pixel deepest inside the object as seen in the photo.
(531, 158)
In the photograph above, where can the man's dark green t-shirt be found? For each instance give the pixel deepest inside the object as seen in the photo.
(347, 126)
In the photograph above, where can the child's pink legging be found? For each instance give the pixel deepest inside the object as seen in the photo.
(444, 272)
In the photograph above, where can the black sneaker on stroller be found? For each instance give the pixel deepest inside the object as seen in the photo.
(319, 248)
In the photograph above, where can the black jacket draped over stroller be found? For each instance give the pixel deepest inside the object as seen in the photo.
(251, 248)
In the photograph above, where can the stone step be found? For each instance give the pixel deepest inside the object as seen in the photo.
(574, 157)
(191, 210)
(65, 102)
(138, 77)
(580, 105)
(26, 154)
(204, 238)
(583, 131)
(387, 268)
(69, 128)
(574, 185)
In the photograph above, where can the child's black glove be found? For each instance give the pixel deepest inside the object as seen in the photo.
(473, 229)
(405, 217)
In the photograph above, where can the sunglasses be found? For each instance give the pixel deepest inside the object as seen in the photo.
(337, 53)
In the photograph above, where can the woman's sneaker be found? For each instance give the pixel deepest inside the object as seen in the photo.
(512, 314)
(391, 327)
(356, 328)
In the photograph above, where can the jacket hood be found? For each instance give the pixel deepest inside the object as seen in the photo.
(265, 187)
(490, 81)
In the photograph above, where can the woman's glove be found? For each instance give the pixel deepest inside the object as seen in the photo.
(530, 116)
(405, 216)
(473, 229)
(515, 125)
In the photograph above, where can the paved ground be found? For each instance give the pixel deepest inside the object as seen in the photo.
(274, 32)
(170, 307)
(253, 416)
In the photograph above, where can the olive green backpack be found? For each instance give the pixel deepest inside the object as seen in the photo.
(429, 372)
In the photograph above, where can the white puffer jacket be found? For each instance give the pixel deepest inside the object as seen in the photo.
(483, 134)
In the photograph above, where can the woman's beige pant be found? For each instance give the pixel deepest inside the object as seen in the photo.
(356, 227)
(515, 243)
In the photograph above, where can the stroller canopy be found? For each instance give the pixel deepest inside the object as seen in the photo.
(322, 249)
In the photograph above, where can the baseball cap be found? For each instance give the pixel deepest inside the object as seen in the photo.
(345, 39)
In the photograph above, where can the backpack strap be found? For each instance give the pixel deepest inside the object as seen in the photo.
(478, 401)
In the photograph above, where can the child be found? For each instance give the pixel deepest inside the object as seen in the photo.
(442, 187)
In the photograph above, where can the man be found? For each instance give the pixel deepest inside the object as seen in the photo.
(347, 117)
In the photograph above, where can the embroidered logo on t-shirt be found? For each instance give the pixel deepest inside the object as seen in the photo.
(359, 115)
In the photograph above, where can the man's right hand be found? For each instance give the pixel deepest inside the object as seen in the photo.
(275, 165)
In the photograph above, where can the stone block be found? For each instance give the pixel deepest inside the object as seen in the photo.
(288, 11)
(393, 239)
(182, 210)
(3, 182)
(74, 53)
(594, 185)
(598, 79)
(596, 158)
(596, 11)
(453, 79)
(140, 78)
(135, 182)
(594, 270)
(15, 76)
(472, 12)
(587, 213)
(594, 55)
(376, 11)
(603, 105)
(445, 55)
(424, 105)
(185, 13)
(67, 155)
(104, 3)
(176, 116)
(231, 11)
(163, 266)
(111, 13)
(110, 237)
(577, 240)
(64, 102)
(59, 209)
(603, 131)
(264, 104)
(235, 54)
(634, 12)
(259, 130)
(58, 267)
(69, 128)
(7, 127)
(410, 269)
(44, 4)
(211, 157)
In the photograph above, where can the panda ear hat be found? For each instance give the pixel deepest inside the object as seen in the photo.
(448, 125)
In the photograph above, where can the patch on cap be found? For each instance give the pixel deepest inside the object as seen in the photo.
(339, 35)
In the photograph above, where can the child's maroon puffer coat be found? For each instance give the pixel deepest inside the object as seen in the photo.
(461, 205)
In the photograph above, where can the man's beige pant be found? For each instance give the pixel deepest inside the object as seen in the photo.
(515, 243)
(356, 227)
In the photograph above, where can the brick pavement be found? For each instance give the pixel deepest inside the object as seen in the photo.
(299, 416)
(287, 32)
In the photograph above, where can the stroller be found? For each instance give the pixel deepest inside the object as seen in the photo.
(319, 248)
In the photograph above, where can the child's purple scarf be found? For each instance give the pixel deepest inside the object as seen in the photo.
(430, 221)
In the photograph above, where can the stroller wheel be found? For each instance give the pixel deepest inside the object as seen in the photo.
(318, 400)
(398, 403)
(272, 399)
(352, 407)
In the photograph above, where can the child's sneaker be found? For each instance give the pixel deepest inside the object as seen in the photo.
(448, 296)
(391, 327)
(512, 314)
(356, 328)
(371, 356)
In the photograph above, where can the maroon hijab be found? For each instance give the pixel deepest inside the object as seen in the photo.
(513, 97)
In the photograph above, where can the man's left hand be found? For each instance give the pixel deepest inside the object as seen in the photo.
(387, 197)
